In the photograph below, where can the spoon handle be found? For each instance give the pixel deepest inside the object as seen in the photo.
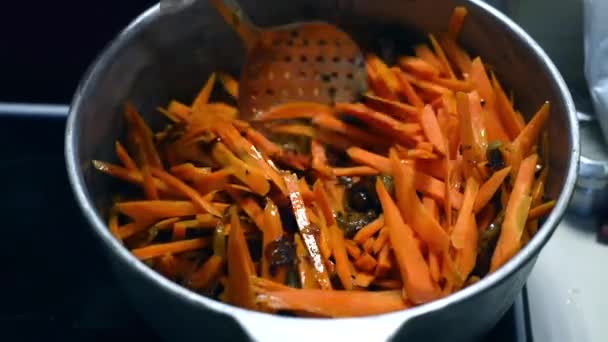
(234, 15)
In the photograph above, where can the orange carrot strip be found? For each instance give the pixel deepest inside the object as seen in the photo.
(446, 68)
(250, 176)
(368, 245)
(459, 58)
(380, 79)
(156, 209)
(295, 110)
(188, 172)
(418, 284)
(354, 171)
(213, 181)
(306, 270)
(516, 213)
(457, 21)
(363, 279)
(332, 303)
(371, 159)
(179, 110)
(260, 141)
(272, 231)
(418, 66)
(124, 157)
(156, 250)
(323, 201)
(294, 129)
(431, 129)
(352, 132)
(431, 206)
(380, 241)
(472, 142)
(408, 90)
(434, 267)
(203, 96)
(424, 52)
(380, 121)
(511, 121)
(319, 159)
(384, 263)
(248, 153)
(308, 238)
(531, 132)
(132, 176)
(467, 255)
(541, 210)
(397, 109)
(204, 276)
(365, 263)
(240, 266)
(413, 211)
(145, 135)
(188, 191)
(388, 284)
(489, 188)
(480, 79)
(339, 251)
(230, 84)
(460, 231)
(430, 87)
(369, 230)
(352, 249)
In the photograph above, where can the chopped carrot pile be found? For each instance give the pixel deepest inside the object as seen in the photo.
(429, 182)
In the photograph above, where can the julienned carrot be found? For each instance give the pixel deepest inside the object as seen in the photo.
(179, 109)
(306, 270)
(418, 285)
(463, 224)
(365, 263)
(294, 129)
(132, 176)
(371, 159)
(272, 231)
(363, 279)
(341, 257)
(143, 132)
(397, 109)
(252, 177)
(472, 142)
(230, 84)
(322, 199)
(251, 208)
(319, 159)
(213, 181)
(199, 202)
(124, 157)
(332, 303)
(512, 122)
(457, 21)
(248, 153)
(206, 274)
(384, 261)
(369, 230)
(445, 65)
(380, 241)
(466, 256)
(434, 268)
(480, 79)
(431, 129)
(295, 110)
(486, 118)
(413, 211)
(516, 214)
(203, 96)
(424, 85)
(188, 172)
(260, 141)
(424, 52)
(156, 209)
(352, 132)
(153, 251)
(460, 59)
(354, 171)
(352, 249)
(531, 132)
(380, 79)
(541, 210)
(240, 266)
(403, 132)
(308, 238)
(489, 188)
(324, 235)
(418, 66)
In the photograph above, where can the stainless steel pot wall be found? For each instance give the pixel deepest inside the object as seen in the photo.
(164, 56)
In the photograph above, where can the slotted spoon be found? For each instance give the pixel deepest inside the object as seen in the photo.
(305, 61)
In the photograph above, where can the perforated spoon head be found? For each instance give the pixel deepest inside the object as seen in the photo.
(307, 61)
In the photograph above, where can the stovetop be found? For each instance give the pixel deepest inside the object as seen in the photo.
(56, 282)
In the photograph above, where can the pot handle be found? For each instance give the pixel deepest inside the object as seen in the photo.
(262, 327)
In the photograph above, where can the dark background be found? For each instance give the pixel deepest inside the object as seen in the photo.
(47, 45)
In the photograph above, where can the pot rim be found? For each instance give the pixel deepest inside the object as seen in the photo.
(485, 284)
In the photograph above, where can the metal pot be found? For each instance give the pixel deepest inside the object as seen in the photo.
(161, 56)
